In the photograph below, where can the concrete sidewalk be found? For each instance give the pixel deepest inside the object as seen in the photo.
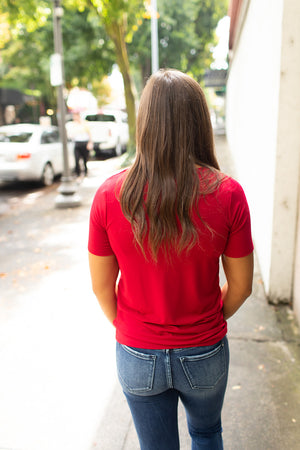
(262, 403)
(57, 393)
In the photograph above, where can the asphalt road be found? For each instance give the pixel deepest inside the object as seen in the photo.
(12, 195)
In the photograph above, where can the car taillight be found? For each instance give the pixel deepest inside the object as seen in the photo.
(109, 132)
(23, 155)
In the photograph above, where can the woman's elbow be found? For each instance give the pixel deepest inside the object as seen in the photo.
(242, 291)
(97, 290)
(247, 291)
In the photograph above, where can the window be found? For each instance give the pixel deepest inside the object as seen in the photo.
(50, 137)
(100, 118)
(15, 137)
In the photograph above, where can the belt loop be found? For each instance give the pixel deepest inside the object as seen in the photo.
(168, 369)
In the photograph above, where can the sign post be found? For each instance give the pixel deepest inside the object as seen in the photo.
(68, 196)
(154, 37)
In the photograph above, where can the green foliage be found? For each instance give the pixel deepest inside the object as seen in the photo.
(25, 62)
(186, 34)
(27, 14)
(88, 53)
(95, 33)
(112, 12)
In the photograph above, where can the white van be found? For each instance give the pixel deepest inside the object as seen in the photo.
(109, 130)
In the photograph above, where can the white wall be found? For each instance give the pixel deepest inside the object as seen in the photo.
(252, 115)
(263, 129)
(287, 157)
(296, 290)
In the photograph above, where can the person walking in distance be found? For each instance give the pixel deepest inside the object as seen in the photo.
(79, 132)
(157, 233)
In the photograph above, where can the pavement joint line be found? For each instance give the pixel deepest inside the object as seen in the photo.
(263, 340)
(9, 448)
(125, 441)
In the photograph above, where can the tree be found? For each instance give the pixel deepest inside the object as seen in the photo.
(186, 34)
(5, 34)
(208, 16)
(88, 54)
(119, 18)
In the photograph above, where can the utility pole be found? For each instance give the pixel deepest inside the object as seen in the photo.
(68, 196)
(154, 37)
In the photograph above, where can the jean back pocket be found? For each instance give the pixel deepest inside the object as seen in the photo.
(135, 370)
(204, 371)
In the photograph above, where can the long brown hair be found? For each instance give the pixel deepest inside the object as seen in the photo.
(173, 135)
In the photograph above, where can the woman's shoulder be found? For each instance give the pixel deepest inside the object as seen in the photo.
(217, 180)
(231, 192)
(111, 186)
(113, 181)
(219, 183)
(229, 183)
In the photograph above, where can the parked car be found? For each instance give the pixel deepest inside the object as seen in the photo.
(32, 152)
(109, 130)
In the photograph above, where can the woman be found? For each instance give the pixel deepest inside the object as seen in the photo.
(164, 224)
(78, 130)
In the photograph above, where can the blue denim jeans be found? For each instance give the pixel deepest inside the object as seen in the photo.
(154, 380)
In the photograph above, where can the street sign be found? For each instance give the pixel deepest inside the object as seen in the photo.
(56, 78)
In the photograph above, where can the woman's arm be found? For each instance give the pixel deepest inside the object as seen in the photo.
(239, 275)
(90, 144)
(104, 273)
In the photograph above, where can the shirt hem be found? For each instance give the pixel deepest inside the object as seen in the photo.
(138, 343)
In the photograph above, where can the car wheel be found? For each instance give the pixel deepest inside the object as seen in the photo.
(118, 148)
(47, 175)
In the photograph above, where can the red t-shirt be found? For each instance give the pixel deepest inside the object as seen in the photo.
(172, 304)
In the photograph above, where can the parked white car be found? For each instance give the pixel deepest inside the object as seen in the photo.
(109, 130)
(32, 152)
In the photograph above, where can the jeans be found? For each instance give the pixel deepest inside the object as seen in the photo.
(154, 380)
(81, 153)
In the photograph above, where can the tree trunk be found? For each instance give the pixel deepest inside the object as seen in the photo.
(116, 31)
(146, 71)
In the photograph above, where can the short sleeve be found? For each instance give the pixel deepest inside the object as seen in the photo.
(98, 241)
(239, 242)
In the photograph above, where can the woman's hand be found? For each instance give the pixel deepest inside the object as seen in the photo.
(90, 146)
(104, 273)
(239, 275)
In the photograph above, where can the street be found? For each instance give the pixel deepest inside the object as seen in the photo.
(56, 348)
(12, 195)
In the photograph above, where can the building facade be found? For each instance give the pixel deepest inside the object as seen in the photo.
(263, 132)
